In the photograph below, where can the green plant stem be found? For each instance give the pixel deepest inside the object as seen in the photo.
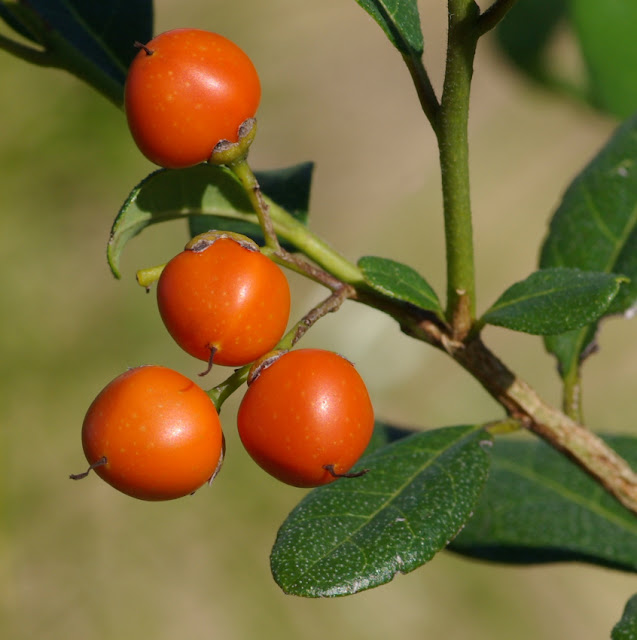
(244, 173)
(452, 134)
(426, 94)
(225, 389)
(329, 268)
(572, 396)
(503, 427)
(493, 15)
(315, 248)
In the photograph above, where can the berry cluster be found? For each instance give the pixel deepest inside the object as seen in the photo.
(306, 416)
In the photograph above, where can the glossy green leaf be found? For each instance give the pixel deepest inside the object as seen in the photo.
(398, 281)
(539, 507)
(552, 301)
(358, 533)
(385, 434)
(400, 21)
(606, 35)
(626, 628)
(17, 19)
(526, 31)
(210, 197)
(170, 194)
(92, 40)
(595, 229)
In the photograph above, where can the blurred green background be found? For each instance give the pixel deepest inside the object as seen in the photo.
(79, 560)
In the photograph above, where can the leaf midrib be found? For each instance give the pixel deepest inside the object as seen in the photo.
(393, 496)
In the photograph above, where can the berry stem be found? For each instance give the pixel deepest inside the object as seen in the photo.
(225, 389)
(248, 180)
(313, 248)
(98, 463)
(139, 45)
(309, 244)
(148, 276)
(354, 474)
(213, 351)
(331, 304)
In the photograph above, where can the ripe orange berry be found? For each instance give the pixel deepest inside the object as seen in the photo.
(307, 417)
(186, 90)
(153, 434)
(224, 295)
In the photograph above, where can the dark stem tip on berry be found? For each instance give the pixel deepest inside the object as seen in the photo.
(97, 463)
(357, 474)
(213, 351)
(139, 45)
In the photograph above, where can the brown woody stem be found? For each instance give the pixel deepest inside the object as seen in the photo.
(523, 404)
(577, 442)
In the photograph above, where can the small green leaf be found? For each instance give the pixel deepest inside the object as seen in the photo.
(540, 507)
(595, 229)
(400, 21)
(606, 35)
(358, 533)
(398, 281)
(626, 628)
(552, 301)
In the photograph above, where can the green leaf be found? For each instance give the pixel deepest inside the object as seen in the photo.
(357, 533)
(289, 188)
(210, 197)
(595, 229)
(606, 34)
(385, 434)
(400, 21)
(526, 31)
(12, 18)
(572, 348)
(626, 628)
(400, 282)
(92, 40)
(170, 194)
(552, 301)
(539, 507)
